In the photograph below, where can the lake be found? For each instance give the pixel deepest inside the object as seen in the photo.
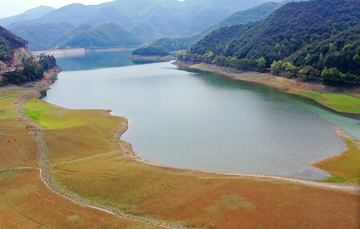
(200, 120)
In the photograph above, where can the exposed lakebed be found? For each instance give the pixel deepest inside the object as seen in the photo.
(203, 121)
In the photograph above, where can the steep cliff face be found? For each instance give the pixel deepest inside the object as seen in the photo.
(19, 53)
(18, 65)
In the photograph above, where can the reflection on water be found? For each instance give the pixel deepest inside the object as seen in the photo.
(204, 121)
(95, 60)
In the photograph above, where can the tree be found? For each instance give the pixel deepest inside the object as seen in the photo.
(261, 64)
(356, 59)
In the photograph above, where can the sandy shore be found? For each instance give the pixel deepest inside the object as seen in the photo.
(278, 82)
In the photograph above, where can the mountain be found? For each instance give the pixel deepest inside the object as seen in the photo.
(17, 64)
(173, 43)
(148, 19)
(42, 36)
(309, 38)
(257, 13)
(8, 43)
(70, 34)
(241, 17)
(27, 15)
(107, 35)
(151, 51)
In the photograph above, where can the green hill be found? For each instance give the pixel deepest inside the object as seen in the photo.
(42, 36)
(148, 19)
(307, 36)
(28, 68)
(9, 42)
(256, 13)
(151, 51)
(108, 35)
(172, 43)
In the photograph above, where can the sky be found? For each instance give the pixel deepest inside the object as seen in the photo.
(13, 7)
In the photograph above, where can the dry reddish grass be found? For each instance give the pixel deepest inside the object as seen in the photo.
(25, 202)
(203, 200)
(193, 199)
(77, 142)
(17, 148)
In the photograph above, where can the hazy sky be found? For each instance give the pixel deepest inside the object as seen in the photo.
(12, 7)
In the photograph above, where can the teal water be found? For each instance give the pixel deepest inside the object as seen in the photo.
(203, 121)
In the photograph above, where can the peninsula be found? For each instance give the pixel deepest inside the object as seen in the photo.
(151, 53)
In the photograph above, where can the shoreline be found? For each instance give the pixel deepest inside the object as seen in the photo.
(347, 187)
(282, 84)
(352, 187)
(151, 58)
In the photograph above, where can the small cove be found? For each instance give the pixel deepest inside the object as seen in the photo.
(201, 120)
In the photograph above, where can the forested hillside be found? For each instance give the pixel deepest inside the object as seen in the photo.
(316, 40)
(42, 36)
(29, 69)
(256, 13)
(9, 42)
(108, 35)
(147, 19)
(151, 51)
(173, 43)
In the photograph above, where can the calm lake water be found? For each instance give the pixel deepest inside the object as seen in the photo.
(203, 121)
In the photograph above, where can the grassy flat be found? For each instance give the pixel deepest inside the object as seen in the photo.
(339, 102)
(346, 165)
(89, 163)
(26, 202)
(196, 199)
(17, 147)
(81, 141)
(51, 117)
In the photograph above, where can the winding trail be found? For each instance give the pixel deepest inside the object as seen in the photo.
(45, 168)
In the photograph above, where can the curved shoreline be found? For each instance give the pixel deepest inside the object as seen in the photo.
(279, 83)
(128, 150)
(343, 187)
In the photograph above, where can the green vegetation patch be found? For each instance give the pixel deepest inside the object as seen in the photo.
(51, 117)
(340, 102)
(344, 166)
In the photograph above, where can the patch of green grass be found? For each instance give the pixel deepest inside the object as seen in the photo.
(37, 104)
(338, 179)
(340, 102)
(344, 166)
(309, 95)
(51, 117)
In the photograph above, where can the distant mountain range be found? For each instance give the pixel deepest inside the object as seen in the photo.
(107, 35)
(316, 40)
(256, 13)
(28, 15)
(146, 19)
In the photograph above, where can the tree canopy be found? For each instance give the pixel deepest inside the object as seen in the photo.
(151, 51)
(307, 37)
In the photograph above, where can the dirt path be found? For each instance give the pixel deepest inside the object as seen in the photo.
(45, 167)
